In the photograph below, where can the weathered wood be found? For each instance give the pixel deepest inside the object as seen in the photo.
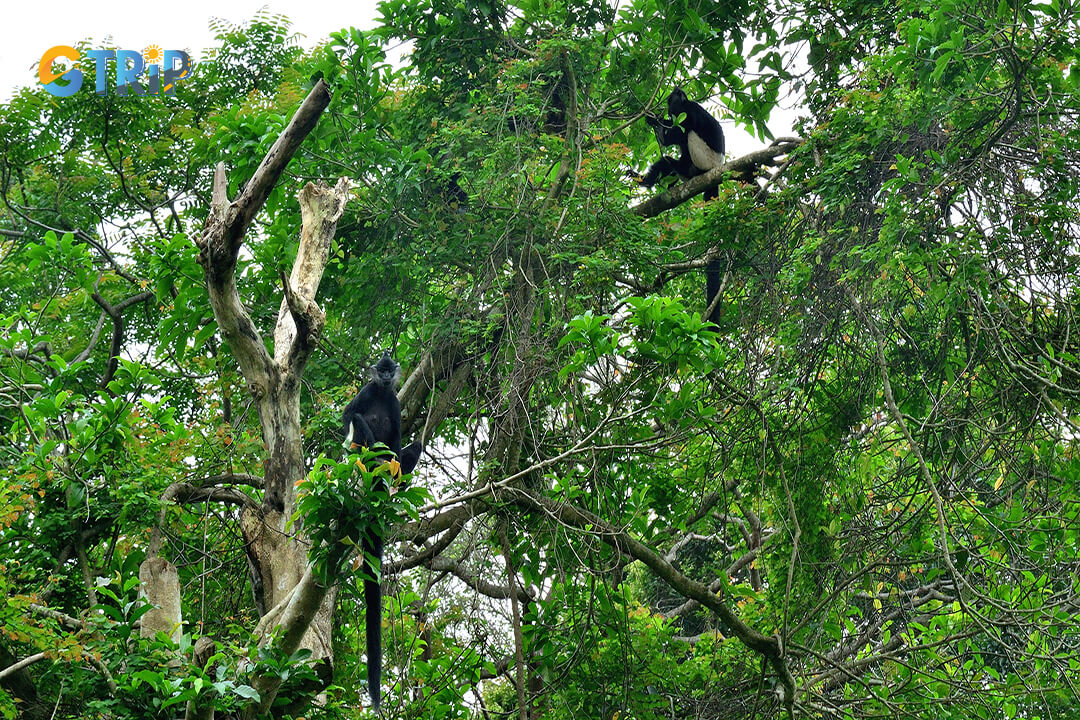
(277, 553)
(159, 583)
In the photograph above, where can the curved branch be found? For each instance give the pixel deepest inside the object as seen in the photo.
(39, 353)
(182, 492)
(491, 590)
(769, 647)
(229, 496)
(431, 551)
(85, 354)
(744, 167)
(116, 312)
(253, 481)
(25, 662)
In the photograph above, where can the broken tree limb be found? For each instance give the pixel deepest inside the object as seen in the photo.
(237, 216)
(300, 320)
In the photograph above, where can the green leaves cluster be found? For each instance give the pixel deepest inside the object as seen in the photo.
(871, 456)
(341, 503)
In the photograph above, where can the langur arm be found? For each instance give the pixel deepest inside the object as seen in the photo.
(357, 431)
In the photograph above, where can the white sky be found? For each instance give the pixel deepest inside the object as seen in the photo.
(28, 30)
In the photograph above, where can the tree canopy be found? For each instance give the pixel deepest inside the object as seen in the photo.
(854, 496)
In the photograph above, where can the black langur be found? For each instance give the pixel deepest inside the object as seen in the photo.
(701, 148)
(704, 138)
(374, 416)
(698, 136)
(667, 135)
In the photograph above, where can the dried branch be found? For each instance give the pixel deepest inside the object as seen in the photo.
(237, 216)
(300, 320)
(219, 244)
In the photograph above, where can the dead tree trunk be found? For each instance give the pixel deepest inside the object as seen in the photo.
(286, 595)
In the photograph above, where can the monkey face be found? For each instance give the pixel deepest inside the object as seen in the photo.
(386, 371)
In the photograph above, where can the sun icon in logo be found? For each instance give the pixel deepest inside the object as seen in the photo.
(152, 54)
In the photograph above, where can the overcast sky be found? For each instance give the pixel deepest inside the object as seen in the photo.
(28, 29)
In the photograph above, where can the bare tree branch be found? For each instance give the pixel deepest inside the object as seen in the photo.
(768, 647)
(116, 313)
(25, 662)
(745, 168)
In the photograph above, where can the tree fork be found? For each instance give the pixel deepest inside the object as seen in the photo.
(278, 559)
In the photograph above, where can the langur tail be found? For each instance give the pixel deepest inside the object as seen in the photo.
(373, 624)
(712, 287)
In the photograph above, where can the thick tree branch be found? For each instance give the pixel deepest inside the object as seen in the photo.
(238, 216)
(300, 320)
(25, 662)
(745, 168)
(182, 492)
(233, 479)
(219, 244)
(219, 265)
(298, 615)
(446, 363)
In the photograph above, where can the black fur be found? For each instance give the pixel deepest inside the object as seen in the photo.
(453, 195)
(697, 121)
(697, 129)
(667, 135)
(374, 415)
(410, 455)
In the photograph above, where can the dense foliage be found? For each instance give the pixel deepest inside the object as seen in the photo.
(857, 496)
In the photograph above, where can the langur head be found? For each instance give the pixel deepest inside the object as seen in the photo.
(386, 372)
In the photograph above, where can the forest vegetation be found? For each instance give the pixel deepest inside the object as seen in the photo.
(856, 495)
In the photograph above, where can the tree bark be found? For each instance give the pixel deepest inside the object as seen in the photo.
(277, 553)
(160, 585)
